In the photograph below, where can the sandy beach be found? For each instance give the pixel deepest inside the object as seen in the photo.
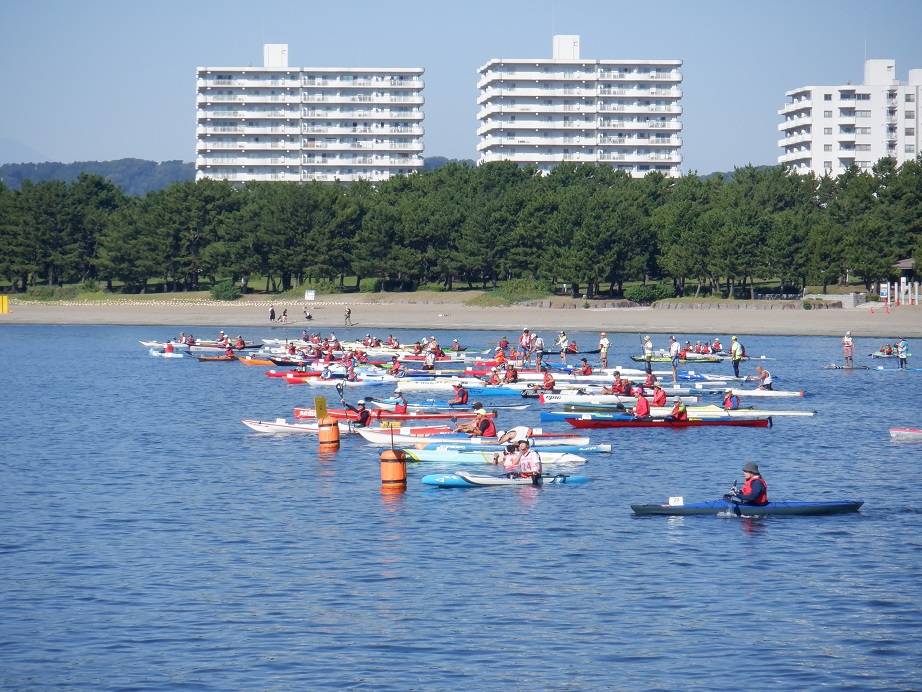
(378, 312)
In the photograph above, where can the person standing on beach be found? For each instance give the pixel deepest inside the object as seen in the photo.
(604, 344)
(348, 317)
(848, 349)
(272, 313)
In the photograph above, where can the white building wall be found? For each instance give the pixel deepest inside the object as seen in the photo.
(298, 124)
(624, 113)
(827, 129)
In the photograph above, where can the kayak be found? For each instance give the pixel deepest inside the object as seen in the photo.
(163, 354)
(604, 448)
(833, 366)
(252, 360)
(465, 479)
(768, 393)
(725, 507)
(380, 436)
(280, 425)
(687, 359)
(695, 412)
(596, 399)
(662, 423)
(441, 455)
(343, 414)
(215, 359)
(912, 434)
(430, 405)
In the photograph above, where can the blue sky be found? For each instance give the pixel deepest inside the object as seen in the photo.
(97, 80)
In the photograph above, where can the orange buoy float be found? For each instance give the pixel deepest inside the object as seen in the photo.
(393, 470)
(328, 431)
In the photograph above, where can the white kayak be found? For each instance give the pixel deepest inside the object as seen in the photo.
(767, 393)
(163, 354)
(280, 425)
(906, 434)
(439, 455)
(381, 437)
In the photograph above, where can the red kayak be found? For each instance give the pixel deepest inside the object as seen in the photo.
(661, 423)
(346, 414)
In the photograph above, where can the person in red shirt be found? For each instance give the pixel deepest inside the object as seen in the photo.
(649, 380)
(642, 408)
(494, 377)
(617, 385)
(168, 347)
(460, 395)
(548, 382)
(679, 413)
(585, 368)
(659, 396)
(512, 374)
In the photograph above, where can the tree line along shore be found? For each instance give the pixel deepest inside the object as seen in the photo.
(590, 228)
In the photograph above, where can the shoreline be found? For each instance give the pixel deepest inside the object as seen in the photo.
(438, 313)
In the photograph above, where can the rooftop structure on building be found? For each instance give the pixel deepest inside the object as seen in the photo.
(542, 112)
(277, 122)
(828, 129)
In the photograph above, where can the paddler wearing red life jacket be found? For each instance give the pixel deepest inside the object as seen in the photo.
(754, 490)
(584, 368)
(548, 382)
(401, 405)
(460, 395)
(659, 395)
(731, 402)
(679, 412)
(649, 380)
(642, 408)
(481, 426)
(168, 347)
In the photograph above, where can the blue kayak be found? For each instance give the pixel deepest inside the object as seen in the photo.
(465, 479)
(782, 508)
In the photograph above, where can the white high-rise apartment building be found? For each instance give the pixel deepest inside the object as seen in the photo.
(624, 113)
(827, 129)
(277, 122)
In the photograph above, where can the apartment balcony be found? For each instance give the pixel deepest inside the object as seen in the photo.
(363, 114)
(640, 141)
(635, 93)
(795, 123)
(366, 130)
(367, 160)
(534, 109)
(537, 141)
(795, 106)
(363, 98)
(625, 76)
(220, 129)
(791, 157)
(525, 125)
(286, 145)
(231, 175)
(616, 107)
(363, 145)
(554, 74)
(209, 82)
(363, 83)
(250, 114)
(799, 138)
(846, 136)
(640, 125)
(246, 161)
(637, 157)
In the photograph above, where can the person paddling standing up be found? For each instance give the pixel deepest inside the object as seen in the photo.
(648, 353)
(902, 352)
(604, 344)
(537, 347)
(674, 355)
(563, 343)
(848, 349)
(736, 354)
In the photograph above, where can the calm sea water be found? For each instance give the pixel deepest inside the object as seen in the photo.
(148, 540)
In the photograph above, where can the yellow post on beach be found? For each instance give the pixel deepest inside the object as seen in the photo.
(4, 305)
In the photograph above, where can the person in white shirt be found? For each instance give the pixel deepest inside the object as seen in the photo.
(848, 349)
(674, 355)
(648, 353)
(764, 378)
(604, 344)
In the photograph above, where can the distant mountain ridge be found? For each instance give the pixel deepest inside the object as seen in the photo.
(133, 176)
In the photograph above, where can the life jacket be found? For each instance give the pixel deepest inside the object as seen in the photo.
(364, 417)
(617, 386)
(642, 408)
(679, 412)
(168, 348)
(549, 381)
(659, 397)
(571, 347)
(761, 499)
(648, 382)
(400, 408)
(731, 402)
(489, 430)
(585, 369)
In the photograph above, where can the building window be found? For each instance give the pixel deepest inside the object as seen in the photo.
(863, 147)
(863, 130)
(827, 130)
(910, 115)
(827, 114)
(862, 97)
(910, 98)
(910, 132)
(862, 114)
(827, 97)
(827, 165)
(910, 148)
(827, 147)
